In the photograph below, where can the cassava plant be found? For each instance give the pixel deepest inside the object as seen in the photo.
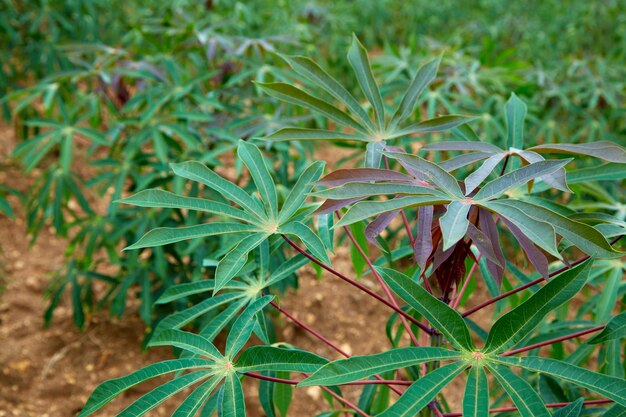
(455, 218)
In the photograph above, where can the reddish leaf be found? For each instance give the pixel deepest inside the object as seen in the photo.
(535, 256)
(423, 245)
(344, 176)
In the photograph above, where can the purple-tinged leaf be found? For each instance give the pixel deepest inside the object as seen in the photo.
(441, 256)
(484, 244)
(488, 226)
(462, 146)
(423, 245)
(608, 151)
(477, 177)
(535, 256)
(330, 206)
(344, 176)
(410, 169)
(379, 224)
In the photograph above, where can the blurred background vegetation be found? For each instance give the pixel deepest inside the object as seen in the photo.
(103, 94)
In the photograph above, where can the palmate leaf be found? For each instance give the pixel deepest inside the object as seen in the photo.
(519, 322)
(423, 391)
(527, 401)
(343, 371)
(608, 386)
(108, 390)
(443, 318)
(476, 178)
(270, 358)
(476, 398)
(462, 146)
(176, 292)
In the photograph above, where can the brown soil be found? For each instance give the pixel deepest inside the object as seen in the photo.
(51, 372)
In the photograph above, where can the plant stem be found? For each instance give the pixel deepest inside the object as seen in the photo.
(356, 284)
(346, 402)
(552, 341)
(457, 300)
(552, 405)
(318, 335)
(530, 284)
(380, 280)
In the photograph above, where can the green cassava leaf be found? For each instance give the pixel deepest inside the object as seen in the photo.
(434, 172)
(423, 391)
(436, 124)
(571, 410)
(313, 134)
(310, 70)
(270, 358)
(308, 237)
(515, 110)
(541, 233)
(518, 178)
(366, 189)
(232, 403)
(105, 392)
(454, 223)
(602, 149)
(462, 146)
(365, 209)
(161, 393)
(294, 95)
(357, 56)
(233, 261)
(608, 386)
(615, 329)
(476, 399)
(191, 342)
(355, 368)
(161, 198)
(190, 406)
(242, 327)
(254, 160)
(443, 318)
(165, 235)
(519, 322)
(197, 171)
(299, 192)
(585, 237)
(424, 76)
(524, 397)
(176, 292)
